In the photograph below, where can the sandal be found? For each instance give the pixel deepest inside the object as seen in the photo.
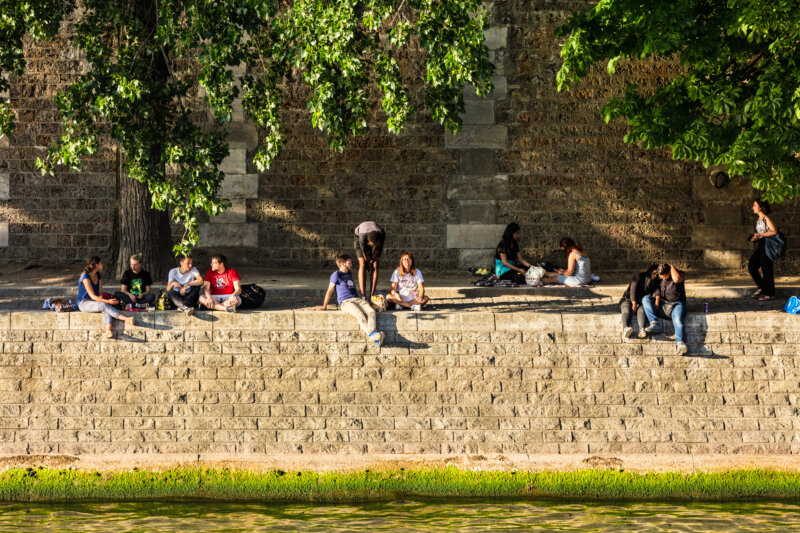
(756, 294)
(107, 334)
(766, 298)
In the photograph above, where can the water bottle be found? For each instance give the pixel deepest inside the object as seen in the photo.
(705, 307)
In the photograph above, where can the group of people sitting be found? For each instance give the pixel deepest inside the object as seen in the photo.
(656, 294)
(509, 262)
(218, 290)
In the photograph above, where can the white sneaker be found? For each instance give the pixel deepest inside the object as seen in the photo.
(416, 307)
(642, 334)
(627, 332)
(682, 348)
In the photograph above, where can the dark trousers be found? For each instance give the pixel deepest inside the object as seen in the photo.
(148, 298)
(759, 260)
(626, 308)
(513, 275)
(189, 299)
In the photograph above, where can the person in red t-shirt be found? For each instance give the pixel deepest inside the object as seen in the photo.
(221, 286)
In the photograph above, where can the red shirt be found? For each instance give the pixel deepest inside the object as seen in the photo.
(222, 283)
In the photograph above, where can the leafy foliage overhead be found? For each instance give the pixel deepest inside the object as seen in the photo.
(734, 102)
(147, 58)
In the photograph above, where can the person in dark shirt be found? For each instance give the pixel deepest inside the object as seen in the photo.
(669, 303)
(341, 282)
(641, 285)
(507, 257)
(369, 246)
(136, 283)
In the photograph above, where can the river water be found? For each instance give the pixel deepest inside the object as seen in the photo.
(399, 516)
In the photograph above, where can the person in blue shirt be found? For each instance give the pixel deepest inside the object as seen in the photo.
(90, 296)
(342, 282)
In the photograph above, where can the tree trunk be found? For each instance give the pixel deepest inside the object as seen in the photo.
(138, 228)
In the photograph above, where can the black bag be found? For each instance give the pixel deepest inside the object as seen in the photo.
(775, 246)
(252, 296)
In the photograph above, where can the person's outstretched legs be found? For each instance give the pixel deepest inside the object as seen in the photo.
(649, 304)
(678, 315)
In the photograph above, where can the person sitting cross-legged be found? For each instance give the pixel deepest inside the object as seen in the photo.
(669, 303)
(221, 287)
(136, 283)
(184, 285)
(408, 289)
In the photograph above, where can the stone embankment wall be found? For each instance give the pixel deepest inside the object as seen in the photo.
(445, 382)
(527, 153)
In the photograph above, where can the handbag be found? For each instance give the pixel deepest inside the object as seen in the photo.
(793, 306)
(534, 275)
(775, 246)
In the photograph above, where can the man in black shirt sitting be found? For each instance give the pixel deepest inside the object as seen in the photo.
(669, 303)
(136, 283)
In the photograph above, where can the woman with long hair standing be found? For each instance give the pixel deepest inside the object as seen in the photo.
(765, 281)
(90, 296)
(507, 257)
(578, 271)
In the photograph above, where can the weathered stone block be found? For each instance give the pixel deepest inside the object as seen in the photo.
(5, 186)
(477, 162)
(236, 162)
(472, 187)
(466, 236)
(478, 137)
(717, 237)
(477, 211)
(239, 185)
(495, 37)
(229, 235)
(235, 214)
(723, 259)
(478, 112)
(528, 321)
(3, 234)
(499, 91)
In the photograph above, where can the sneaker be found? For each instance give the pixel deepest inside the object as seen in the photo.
(416, 307)
(381, 336)
(189, 311)
(375, 337)
(682, 348)
(653, 329)
(642, 334)
(231, 309)
(627, 332)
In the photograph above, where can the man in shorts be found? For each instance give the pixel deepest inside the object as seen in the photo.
(369, 246)
(221, 286)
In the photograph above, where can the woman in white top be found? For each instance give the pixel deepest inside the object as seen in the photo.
(578, 271)
(765, 280)
(408, 289)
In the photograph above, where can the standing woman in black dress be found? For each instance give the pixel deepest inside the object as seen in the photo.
(765, 281)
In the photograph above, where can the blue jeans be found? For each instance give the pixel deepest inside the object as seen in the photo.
(90, 306)
(677, 315)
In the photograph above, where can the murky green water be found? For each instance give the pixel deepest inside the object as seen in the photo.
(400, 516)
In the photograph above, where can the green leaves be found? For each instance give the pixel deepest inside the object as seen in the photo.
(736, 100)
(150, 59)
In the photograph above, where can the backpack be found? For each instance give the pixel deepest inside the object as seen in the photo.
(793, 306)
(252, 296)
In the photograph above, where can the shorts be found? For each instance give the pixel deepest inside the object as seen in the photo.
(359, 253)
(408, 297)
(220, 298)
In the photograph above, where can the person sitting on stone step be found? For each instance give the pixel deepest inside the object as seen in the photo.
(408, 289)
(669, 303)
(579, 267)
(507, 258)
(642, 284)
(183, 285)
(342, 282)
(90, 296)
(136, 283)
(369, 246)
(221, 286)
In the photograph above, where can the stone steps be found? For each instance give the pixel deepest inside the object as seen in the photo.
(451, 381)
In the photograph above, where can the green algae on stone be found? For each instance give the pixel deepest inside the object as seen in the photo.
(18, 484)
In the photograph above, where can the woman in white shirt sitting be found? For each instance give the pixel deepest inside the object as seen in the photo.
(408, 290)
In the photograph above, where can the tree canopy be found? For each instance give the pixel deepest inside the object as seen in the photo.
(147, 58)
(735, 98)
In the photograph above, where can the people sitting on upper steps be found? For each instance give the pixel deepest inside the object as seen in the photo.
(578, 271)
(642, 284)
(669, 303)
(507, 258)
(408, 285)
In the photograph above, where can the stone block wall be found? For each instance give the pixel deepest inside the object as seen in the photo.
(527, 153)
(445, 382)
